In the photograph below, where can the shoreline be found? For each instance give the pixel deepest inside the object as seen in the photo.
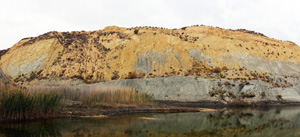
(106, 109)
(103, 110)
(239, 103)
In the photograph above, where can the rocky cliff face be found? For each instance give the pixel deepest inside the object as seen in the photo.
(204, 53)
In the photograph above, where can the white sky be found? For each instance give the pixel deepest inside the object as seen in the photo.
(278, 19)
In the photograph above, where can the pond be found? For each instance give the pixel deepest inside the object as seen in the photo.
(265, 122)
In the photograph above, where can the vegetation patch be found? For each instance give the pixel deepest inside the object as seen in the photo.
(239, 103)
(135, 75)
(279, 97)
(221, 93)
(136, 31)
(263, 94)
(111, 95)
(115, 75)
(21, 105)
(18, 105)
(217, 70)
(247, 95)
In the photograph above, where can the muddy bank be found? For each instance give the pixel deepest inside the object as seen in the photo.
(224, 104)
(77, 109)
(81, 110)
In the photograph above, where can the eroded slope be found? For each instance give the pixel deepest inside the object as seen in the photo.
(116, 53)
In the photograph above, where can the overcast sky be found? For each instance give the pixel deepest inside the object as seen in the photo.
(278, 19)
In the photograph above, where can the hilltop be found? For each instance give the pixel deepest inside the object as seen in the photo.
(218, 58)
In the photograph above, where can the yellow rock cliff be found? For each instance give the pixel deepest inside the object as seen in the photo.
(116, 53)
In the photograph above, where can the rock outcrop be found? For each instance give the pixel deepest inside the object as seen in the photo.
(188, 64)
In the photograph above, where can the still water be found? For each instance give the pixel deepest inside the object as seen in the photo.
(272, 122)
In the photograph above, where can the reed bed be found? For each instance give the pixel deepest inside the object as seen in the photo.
(98, 93)
(39, 103)
(110, 95)
(19, 105)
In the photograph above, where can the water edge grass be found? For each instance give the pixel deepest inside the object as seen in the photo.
(19, 105)
(126, 95)
(29, 104)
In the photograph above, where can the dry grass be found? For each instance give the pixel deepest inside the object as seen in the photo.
(112, 95)
(99, 93)
(38, 103)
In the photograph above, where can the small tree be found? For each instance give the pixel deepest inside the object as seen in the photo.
(32, 76)
(132, 75)
(136, 31)
(224, 68)
(263, 94)
(216, 70)
(279, 97)
(115, 75)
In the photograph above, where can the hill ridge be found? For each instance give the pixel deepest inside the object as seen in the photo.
(116, 53)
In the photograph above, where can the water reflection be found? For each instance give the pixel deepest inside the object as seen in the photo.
(229, 123)
(35, 129)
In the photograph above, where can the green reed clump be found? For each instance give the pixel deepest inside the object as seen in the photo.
(18, 105)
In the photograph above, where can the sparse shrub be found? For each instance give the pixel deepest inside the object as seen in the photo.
(241, 85)
(279, 97)
(78, 77)
(17, 79)
(246, 83)
(239, 103)
(65, 46)
(131, 75)
(216, 70)
(227, 83)
(90, 76)
(242, 93)
(134, 75)
(230, 94)
(248, 95)
(115, 75)
(115, 57)
(32, 76)
(221, 92)
(263, 94)
(212, 93)
(136, 31)
(224, 68)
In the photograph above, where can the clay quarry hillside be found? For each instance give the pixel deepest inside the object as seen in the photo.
(116, 53)
(197, 59)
